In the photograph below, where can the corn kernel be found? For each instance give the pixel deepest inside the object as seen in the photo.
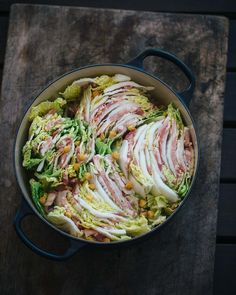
(92, 186)
(89, 197)
(144, 213)
(67, 214)
(129, 185)
(76, 166)
(43, 199)
(95, 93)
(131, 128)
(87, 176)
(102, 136)
(77, 142)
(142, 203)
(150, 214)
(112, 134)
(106, 240)
(66, 149)
(82, 157)
(115, 156)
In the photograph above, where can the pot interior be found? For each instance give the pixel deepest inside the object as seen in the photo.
(161, 95)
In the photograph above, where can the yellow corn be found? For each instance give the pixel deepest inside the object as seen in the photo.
(67, 214)
(92, 186)
(129, 185)
(144, 213)
(112, 134)
(102, 136)
(142, 203)
(106, 240)
(87, 176)
(66, 149)
(95, 93)
(43, 199)
(89, 197)
(150, 214)
(131, 128)
(76, 166)
(115, 156)
(82, 157)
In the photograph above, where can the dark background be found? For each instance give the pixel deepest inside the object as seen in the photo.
(225, 257)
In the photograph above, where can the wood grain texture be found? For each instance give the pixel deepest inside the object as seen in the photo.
(45, 42)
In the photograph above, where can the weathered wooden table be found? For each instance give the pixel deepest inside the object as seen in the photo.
(44, 42)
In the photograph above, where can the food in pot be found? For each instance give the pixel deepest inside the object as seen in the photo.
(105, 163)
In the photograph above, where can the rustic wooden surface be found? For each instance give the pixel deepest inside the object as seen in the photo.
(43, 43)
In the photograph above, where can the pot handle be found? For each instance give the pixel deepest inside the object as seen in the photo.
(186, 94)
(24, 211)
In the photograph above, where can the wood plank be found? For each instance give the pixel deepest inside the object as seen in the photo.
(3, 36)
(67, 38)
(219, 6)
(225, 269)
(228, 161)
(226, 210)
(232, 45)
(4, 27)
(230, 99)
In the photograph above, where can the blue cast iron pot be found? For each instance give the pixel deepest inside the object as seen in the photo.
(135, 70)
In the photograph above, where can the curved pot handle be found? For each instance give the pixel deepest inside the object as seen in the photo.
(186, 95)
(24, 211)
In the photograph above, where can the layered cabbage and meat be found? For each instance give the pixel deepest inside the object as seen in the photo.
(105, 163)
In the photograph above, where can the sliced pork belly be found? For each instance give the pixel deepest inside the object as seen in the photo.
(115, 189)
(162, 153)
(128, 84)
